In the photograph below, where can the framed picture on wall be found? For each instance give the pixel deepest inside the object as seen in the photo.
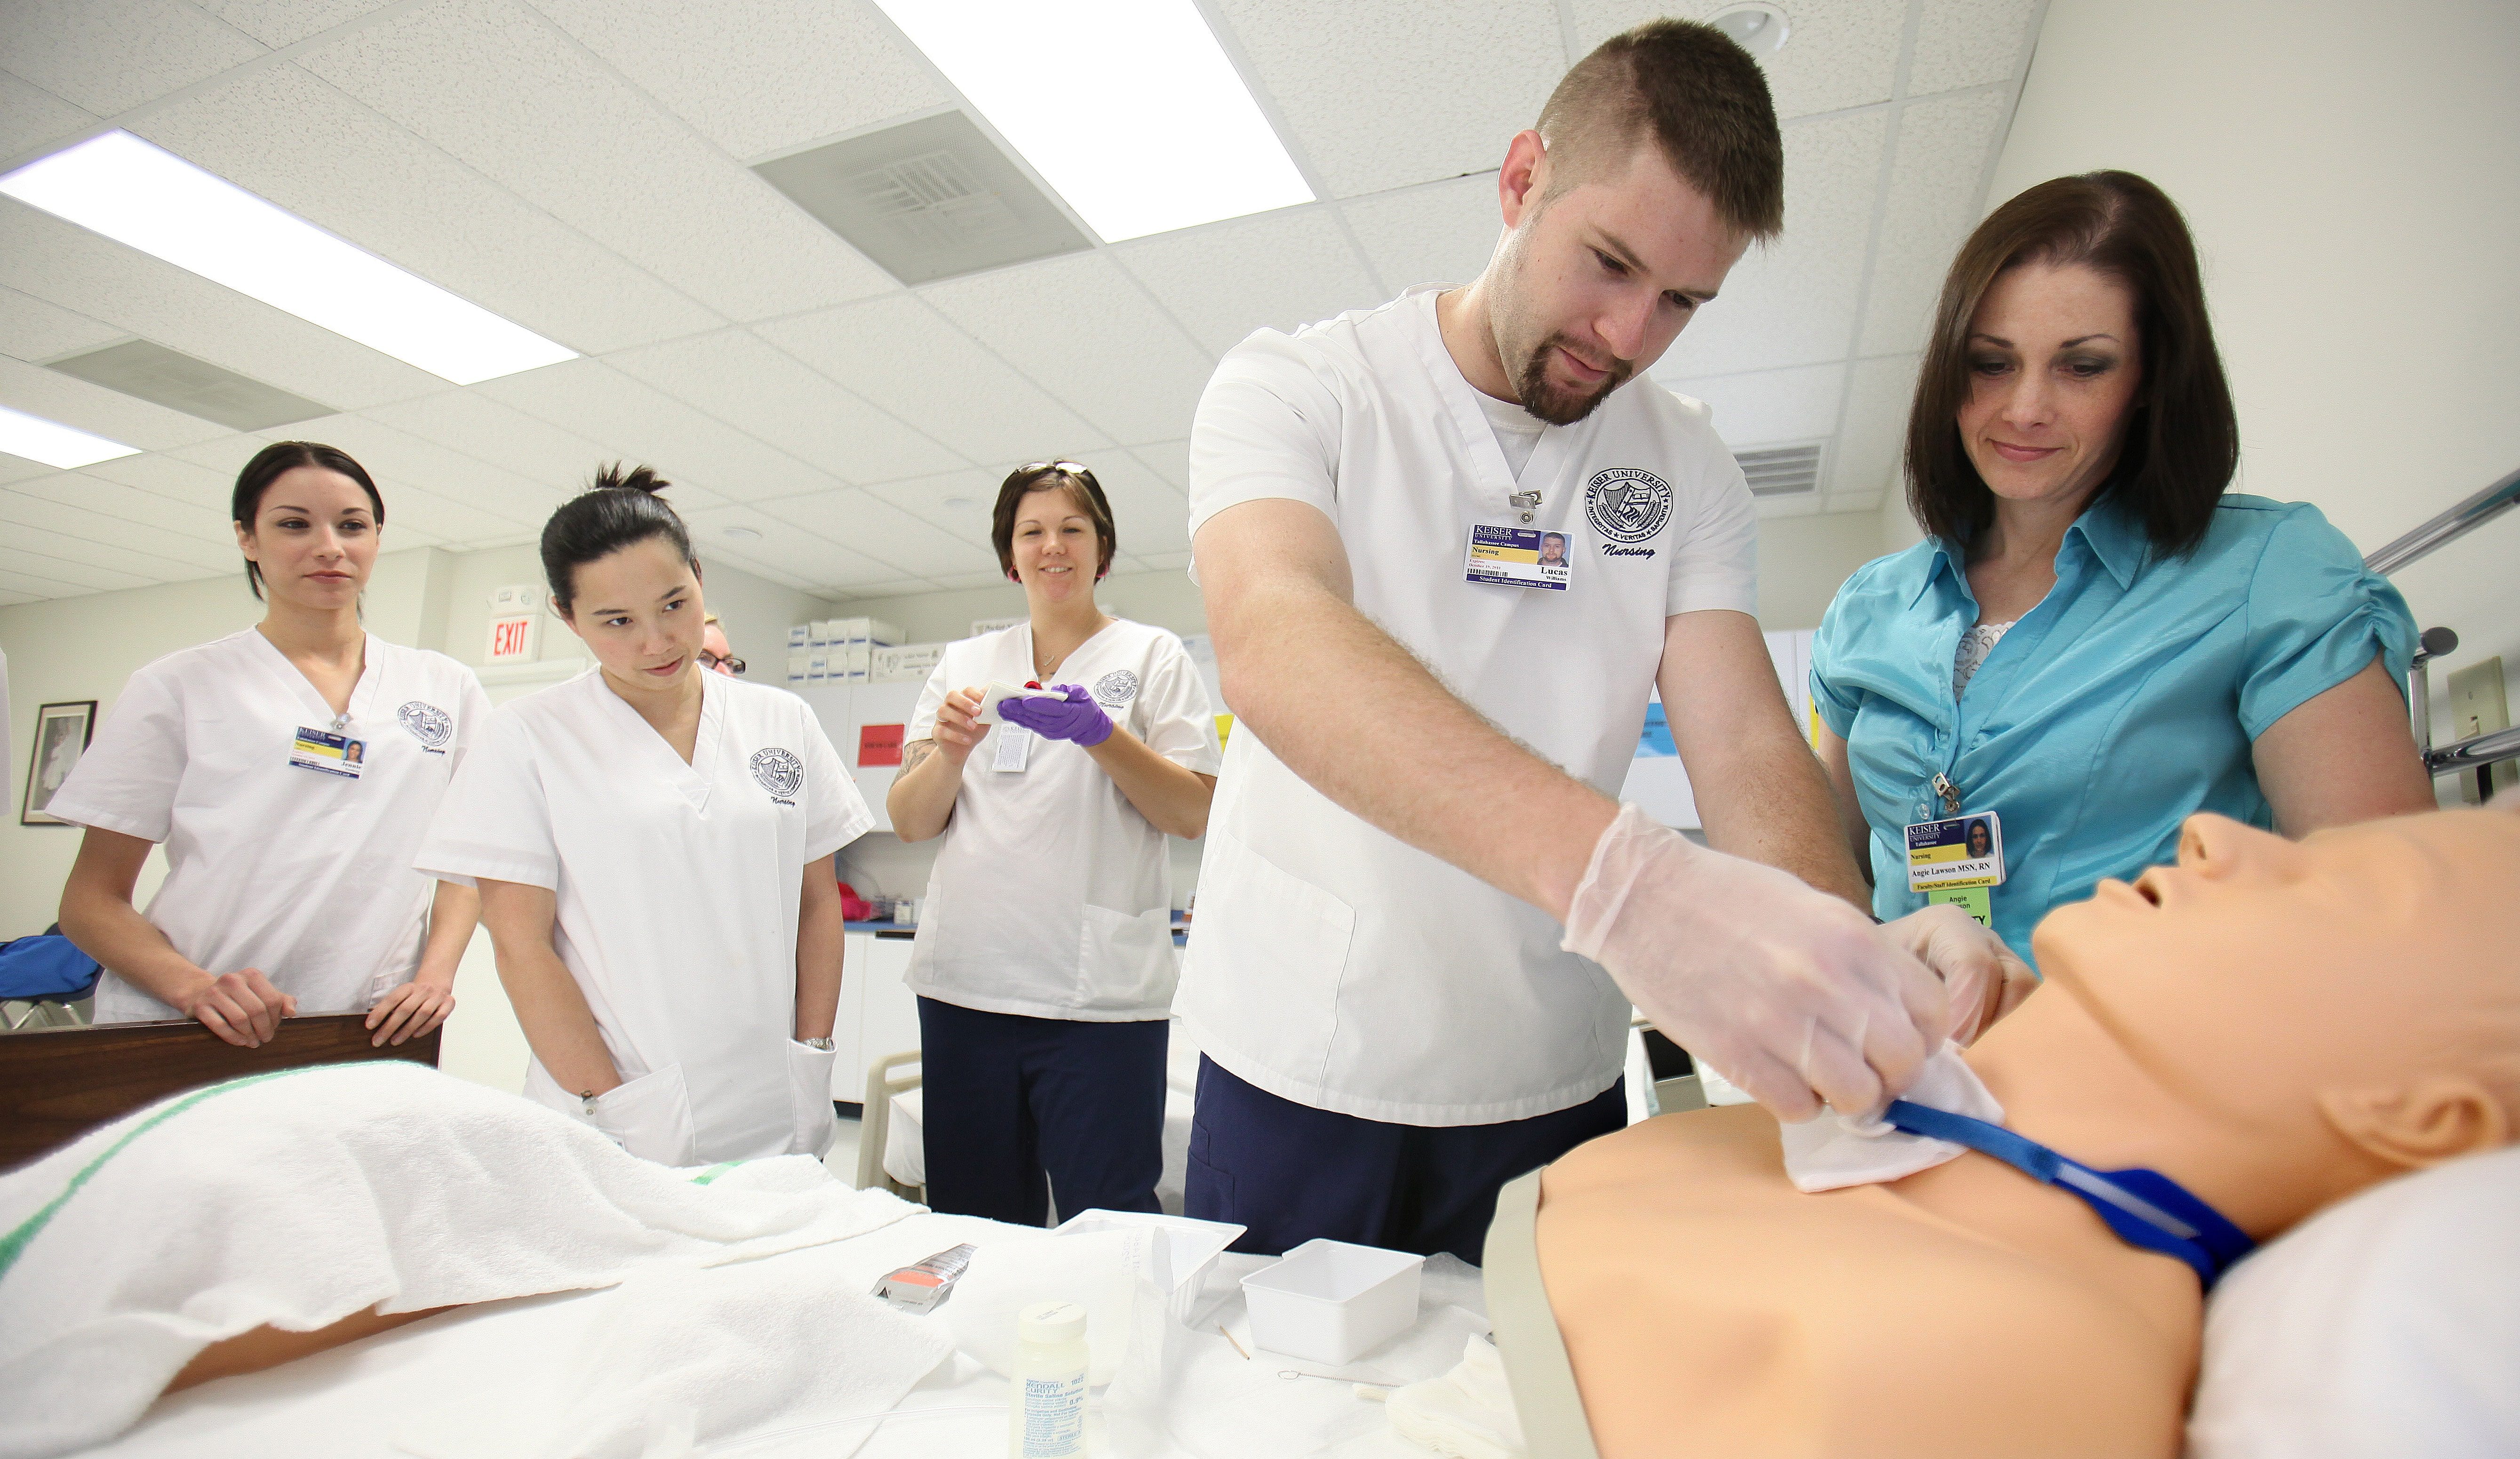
(62, 733)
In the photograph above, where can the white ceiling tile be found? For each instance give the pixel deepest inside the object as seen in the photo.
(31, 116)
(286, 23)
(1838, 53)
(78, 270)
(1167, 562)
(749, 385)
(1772, 405)
(904, 356)
(1970, 43)
(1084, 332)
(1793, 302)
(892, 589)
(109, 56)
(93, 491)
(755, 77)
(1442, 233)
(43, 577)
(1147, 514)
(94, 408)
(10, 596)
(1875, 437)
(515, 98)
(1168, 459)
(224, 456)
(878, 530)
(925, 498)
(285, 135)
(33, 330)
(72, 533)
(1279, 270)
(640, 423)
(388, 453)
(965, 582)
(19, 469)
(484, 429)
(797, 557)
(1383, 93)
(173, 477)
(416, 517)
(1936, 183)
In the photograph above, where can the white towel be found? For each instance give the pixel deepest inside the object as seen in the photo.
(1833, 1150)
(295, 1199)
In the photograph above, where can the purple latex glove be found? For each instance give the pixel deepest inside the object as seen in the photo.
(1075, 718)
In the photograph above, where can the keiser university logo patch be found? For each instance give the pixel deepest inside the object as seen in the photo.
(1115, 688)
(1626, 506)
(779, 773)
(430, 725)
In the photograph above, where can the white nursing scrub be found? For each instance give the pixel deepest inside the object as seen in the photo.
(1051, 896)
(1334, 965)
(302, 874)
(677, 892)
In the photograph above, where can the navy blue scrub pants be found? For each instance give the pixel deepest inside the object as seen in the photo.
(1291, 1173)
(1011, 1099)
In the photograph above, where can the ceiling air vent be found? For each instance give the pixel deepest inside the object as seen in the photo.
(1782, 471)
(197, 388)
(926, 200)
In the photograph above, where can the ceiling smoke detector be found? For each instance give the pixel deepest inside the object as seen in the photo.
(1760, 30)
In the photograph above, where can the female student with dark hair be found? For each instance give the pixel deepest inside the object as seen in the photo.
(1044, 966)
(653, 845)
(289, 770)
(2095, 640)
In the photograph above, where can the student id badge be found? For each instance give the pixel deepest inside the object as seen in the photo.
(1957, 860)
(328, 753)
(1518, 557)
(1014, 746)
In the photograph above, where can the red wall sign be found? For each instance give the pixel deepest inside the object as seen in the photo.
(879, 744)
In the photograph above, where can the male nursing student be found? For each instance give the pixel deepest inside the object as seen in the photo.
(288, 770)
(1393, 1018)
(653, 846)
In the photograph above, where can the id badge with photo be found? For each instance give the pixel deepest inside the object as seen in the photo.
(1957, 860)
(329, 754)
(1517, 557)
(1014, 746)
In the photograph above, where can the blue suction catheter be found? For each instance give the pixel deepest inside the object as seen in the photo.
(2144, 1208)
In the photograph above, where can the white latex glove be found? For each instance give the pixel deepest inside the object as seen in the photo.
(1983, 979)
(1786, 991)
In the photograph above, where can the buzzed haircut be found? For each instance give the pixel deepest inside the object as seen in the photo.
(1699, 95)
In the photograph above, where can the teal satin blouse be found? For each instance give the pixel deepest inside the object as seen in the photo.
(2126, 699)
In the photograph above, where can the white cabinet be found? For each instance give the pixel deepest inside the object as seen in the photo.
(877, 1015)
(846, 708)
(1660, 784)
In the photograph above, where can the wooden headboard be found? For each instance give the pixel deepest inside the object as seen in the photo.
(58, 1085)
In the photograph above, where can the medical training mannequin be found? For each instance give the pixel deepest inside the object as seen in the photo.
(2274, 1025)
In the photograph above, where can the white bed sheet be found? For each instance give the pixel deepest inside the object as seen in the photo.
(352, 1404)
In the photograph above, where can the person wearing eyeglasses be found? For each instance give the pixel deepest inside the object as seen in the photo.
(1044, 964)
(717, 656)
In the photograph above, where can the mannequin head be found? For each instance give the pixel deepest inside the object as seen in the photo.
(2291, 1021)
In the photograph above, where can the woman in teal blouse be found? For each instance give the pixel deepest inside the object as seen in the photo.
(2094, 640)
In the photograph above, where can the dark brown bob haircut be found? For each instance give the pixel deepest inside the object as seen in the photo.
(1702, 100)
(2181, 440)
(1052, 475)
(278, 460)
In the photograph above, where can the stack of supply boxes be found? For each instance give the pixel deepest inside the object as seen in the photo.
(836, 651)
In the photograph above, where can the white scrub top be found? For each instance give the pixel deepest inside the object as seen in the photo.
(676, 888)
(302, 874)
(1334, 965)
(1051, 896)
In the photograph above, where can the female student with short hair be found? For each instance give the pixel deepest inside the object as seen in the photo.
(288, 770)
(653, 846)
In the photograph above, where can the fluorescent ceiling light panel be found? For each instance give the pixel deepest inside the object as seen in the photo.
(54, 443)
(1128, 107)
(156, 201)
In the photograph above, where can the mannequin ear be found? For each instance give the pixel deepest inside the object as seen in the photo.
(2438, 1118)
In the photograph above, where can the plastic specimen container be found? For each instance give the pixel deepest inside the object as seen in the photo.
(1331, 1300)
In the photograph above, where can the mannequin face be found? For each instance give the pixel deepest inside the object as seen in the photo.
(2257, 974)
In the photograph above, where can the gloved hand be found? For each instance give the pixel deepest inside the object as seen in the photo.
(1788, 992)
(1075, 718)
(1983, 979)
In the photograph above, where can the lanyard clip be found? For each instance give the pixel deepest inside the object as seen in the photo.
(1525, 501)
(1950, 792)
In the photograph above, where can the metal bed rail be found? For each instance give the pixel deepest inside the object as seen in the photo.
(2476, 750)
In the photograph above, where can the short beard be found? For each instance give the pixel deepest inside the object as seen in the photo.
(1562, 407)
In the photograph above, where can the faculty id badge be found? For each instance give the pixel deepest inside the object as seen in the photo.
(1518, 557)
(1962, 852)
(332, 754)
